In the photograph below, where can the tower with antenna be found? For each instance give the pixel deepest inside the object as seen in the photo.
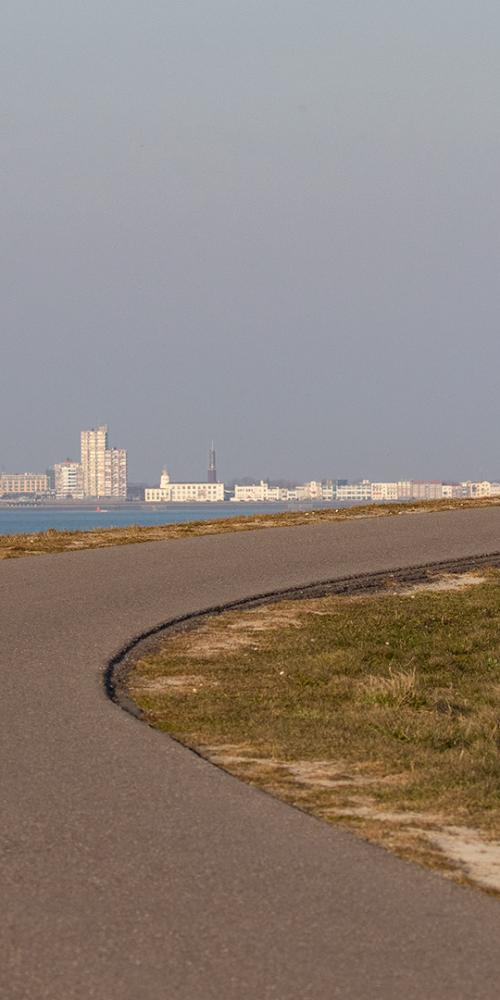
(212, 468)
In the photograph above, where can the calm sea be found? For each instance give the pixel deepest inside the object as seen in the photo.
(15, 520)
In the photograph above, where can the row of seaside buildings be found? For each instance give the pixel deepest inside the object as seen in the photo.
(108, 481)
(343, 491)
(102, 473)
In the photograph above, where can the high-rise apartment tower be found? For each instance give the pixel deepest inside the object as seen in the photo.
(104, 469)
(212, 468)
(94, 444)
(115, 473)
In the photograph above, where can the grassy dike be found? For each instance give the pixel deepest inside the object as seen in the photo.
(52, 541)
(378, 712)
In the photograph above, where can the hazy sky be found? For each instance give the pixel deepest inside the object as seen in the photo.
(271, 222)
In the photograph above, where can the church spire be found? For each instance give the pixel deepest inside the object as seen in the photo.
(212, 469)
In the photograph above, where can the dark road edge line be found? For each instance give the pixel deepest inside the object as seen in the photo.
(116, 672)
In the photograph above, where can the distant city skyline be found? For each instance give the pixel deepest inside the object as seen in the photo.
(191, 463)
(102, 472)
(196, 471)
(80, 483)
(206, 464)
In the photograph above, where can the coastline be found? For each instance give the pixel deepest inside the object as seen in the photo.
(14, 545)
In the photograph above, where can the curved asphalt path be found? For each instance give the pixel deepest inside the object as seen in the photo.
(133, 869)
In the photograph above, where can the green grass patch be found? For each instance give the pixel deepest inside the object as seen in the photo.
(381, 712)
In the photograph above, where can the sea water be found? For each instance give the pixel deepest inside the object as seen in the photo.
(28, 520)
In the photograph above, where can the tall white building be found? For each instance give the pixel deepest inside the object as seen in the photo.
(68, 479)
(115, 472)
(104, 469)
(93, 447)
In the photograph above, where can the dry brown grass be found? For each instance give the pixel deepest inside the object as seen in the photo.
(52, 541)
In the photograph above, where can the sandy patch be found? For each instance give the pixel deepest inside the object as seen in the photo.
(216, 638)
(449, 581)
(477, 857)
(162, 685)
(313, 773)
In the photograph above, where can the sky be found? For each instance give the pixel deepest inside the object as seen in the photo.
(274, 223)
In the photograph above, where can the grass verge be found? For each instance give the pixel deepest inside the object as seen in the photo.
(52, 541)
(379, 712)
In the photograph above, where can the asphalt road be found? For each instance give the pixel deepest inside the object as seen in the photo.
(133, 870)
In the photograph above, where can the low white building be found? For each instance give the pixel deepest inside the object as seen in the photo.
(168, 492)
(264, 493)
(426, 489)
(24, 483)
(314, 490)
(404, 489)
(355, 491)
(453, 491)
(259, 493)
(482, 489)
(385, 491)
